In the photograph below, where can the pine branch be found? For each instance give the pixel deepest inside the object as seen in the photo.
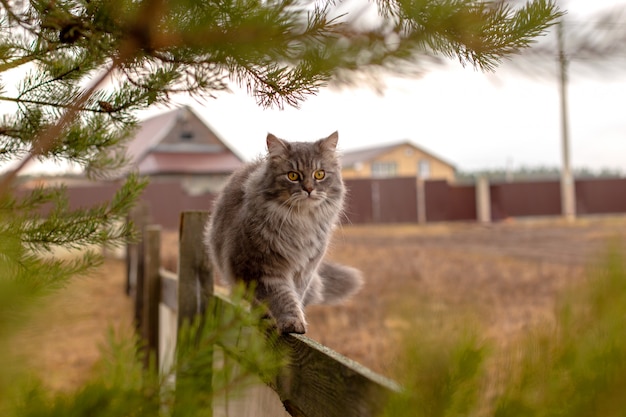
(103, 224)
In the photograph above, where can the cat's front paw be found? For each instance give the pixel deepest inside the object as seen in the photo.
(291, 325)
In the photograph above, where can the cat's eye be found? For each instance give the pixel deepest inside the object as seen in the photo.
(319, 174)
(293, 176)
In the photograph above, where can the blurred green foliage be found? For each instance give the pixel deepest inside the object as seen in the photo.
(121, 386)
(575, 366)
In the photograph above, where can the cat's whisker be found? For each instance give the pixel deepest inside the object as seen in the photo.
(344, 219)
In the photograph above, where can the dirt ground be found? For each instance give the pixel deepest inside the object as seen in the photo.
(64, 340)
(505, 276)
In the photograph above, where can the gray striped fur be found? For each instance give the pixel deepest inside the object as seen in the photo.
(271, 232)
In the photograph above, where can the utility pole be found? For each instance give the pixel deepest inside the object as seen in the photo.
(568, 197)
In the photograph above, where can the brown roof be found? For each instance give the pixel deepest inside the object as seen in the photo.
(151, 131)
(178, 141)
(350, 158)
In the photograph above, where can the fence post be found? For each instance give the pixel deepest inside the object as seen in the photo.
(195, 275)
(151, 293)
(195, 283)
(421, 200)
(134, 263)
(375, 187)
(483, 200)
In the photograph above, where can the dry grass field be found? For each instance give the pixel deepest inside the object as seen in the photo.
(501, 279)
(65, 338)
(504, 277)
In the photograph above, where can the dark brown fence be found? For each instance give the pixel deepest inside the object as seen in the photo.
(448, 202)
(167, 200)
(395, 200)
(83, 196)
(518, 199)
(359, 202)
(389, 200)
(601, 196)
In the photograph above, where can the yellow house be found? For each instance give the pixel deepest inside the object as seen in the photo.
(396, 160)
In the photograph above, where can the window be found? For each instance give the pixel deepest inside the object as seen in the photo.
(423, 169)
(186, 135)
(384, 169)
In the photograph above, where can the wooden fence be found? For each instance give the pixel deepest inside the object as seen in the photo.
(316, 382)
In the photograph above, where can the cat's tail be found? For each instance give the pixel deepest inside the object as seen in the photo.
(340, 281)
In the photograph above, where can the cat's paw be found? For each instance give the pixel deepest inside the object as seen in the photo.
(291, 325)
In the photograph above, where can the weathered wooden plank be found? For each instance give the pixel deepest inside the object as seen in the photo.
(151, 290)
(195, 276)
(168, 319)
(195, 283)
(253, 400)
(135, 265)
(319, 382)
(167, 339)
(169, 289)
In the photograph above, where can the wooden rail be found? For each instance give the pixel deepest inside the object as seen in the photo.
(317, 382)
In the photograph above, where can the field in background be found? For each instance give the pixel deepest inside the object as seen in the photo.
(503, 277)
(64, 340)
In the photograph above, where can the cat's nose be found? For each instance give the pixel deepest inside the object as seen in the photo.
(308, 188)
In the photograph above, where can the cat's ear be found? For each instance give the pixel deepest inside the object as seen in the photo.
(276, 147)
(330, 143)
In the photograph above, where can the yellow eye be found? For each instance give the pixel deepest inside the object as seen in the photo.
(293, 176)
(320, 174)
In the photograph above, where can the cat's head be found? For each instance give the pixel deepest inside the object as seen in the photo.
(304, 174)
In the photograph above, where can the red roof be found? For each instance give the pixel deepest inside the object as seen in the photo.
(151, 131)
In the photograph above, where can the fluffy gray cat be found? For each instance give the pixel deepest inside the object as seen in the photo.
(271, 225)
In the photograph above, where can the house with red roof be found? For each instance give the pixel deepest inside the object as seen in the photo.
(179, 146)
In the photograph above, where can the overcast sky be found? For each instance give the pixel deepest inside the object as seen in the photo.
(472, 119)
